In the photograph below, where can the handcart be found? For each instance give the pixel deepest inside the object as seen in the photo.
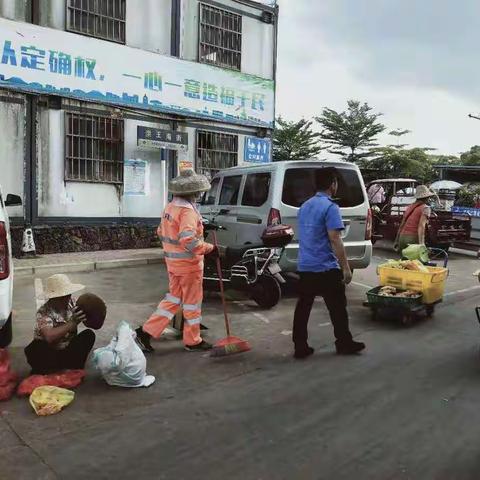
(429, 285)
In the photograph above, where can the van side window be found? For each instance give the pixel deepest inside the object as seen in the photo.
(300, 184)
(257, 187)
(230, 189)
(210, 196)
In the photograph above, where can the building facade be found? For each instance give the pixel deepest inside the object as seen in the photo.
(102, 101)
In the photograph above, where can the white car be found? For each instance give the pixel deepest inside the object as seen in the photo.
(6, 270)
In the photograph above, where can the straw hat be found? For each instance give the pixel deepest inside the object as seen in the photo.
(59, 285)
(423, 191)
(189, 183)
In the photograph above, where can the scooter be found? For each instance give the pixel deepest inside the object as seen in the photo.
(253, 269)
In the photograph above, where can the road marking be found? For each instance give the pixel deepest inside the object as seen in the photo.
(261, 317)
(286, 332)
(38, 292)
(465, 290)
(326, 324)
(363, 285)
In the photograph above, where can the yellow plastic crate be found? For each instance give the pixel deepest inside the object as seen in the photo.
(431, 283)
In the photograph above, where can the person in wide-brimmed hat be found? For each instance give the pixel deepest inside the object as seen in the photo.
(181, 232)
(414, 223)
(56, 345)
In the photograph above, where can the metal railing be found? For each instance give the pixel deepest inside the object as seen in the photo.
(103, 19)
(93, 149)
(215, 151)
(220, 37)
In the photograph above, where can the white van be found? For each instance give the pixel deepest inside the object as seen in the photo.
(246, 199)
(6, 270)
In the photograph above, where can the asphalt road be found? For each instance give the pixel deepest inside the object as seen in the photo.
(405, 409)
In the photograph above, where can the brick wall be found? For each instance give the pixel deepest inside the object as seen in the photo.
(71, 238)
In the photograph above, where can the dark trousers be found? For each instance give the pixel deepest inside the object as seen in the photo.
(44, 358)
(330, 286)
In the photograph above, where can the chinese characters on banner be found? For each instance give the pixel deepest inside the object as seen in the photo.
(467, 211)
(44, 60)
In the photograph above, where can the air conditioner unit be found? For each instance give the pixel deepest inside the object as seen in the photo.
(267, 17)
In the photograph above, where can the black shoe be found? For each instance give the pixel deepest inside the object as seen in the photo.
(303, 353)
(350, 348)
(201, 347)
(143, 340)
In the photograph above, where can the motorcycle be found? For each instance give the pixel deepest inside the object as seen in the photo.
(253, 269)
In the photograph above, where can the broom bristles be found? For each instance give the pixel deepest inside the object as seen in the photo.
(229, 346)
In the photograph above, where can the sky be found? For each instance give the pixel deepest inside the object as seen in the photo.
(415, 61)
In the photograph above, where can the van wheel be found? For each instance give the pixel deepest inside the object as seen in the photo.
(6, 333)
(266, 293)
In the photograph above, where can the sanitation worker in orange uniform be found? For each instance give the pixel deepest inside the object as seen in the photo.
(181, 232)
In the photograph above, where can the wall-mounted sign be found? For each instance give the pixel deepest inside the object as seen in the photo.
(185, 165)
(135, 177)
(44, 60)
(257, 150)
(158, 138)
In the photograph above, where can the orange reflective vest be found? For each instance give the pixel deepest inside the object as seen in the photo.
(181, 232)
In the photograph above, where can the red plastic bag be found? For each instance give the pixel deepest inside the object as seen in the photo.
(8, 379)
(66, 379)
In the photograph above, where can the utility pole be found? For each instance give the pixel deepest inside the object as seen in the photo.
(473, 116)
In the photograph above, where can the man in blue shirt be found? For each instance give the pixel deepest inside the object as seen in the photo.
(323, 266)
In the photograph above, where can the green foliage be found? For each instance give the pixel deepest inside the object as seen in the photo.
(351, 133)
(445, 159)
(472, 157)
(391, 162)
(295, 140)
(468, 196)
(397, 161)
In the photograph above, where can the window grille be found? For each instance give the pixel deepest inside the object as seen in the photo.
(220, 37)
(103, 19)
(215, 151)
(93, 149)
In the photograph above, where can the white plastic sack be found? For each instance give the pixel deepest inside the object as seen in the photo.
(122, 362)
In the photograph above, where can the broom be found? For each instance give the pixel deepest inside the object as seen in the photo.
(229, 345)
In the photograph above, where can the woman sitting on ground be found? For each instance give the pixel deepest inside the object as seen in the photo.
(57, 345)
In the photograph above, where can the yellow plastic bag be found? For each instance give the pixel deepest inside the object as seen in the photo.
(48, 400)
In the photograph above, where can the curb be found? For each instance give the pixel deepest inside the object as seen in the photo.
(86, 266)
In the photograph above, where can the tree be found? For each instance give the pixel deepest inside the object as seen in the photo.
(351, 133)
(397, 161)
(472, 157)
(295, 140)
(392, 162)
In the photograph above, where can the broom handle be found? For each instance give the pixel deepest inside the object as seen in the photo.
(222, 292)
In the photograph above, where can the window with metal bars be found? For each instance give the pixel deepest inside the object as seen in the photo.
(103, 19)
(93, 149)
(220, 37)
(215, 151)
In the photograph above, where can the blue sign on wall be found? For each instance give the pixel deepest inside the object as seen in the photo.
(258, 150)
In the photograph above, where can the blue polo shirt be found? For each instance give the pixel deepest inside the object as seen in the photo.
(316, 217)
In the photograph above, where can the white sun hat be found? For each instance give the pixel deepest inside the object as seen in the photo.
(59, 285)
(422, 192)
(189, 183)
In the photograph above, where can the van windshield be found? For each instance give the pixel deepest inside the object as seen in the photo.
(299, 186)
